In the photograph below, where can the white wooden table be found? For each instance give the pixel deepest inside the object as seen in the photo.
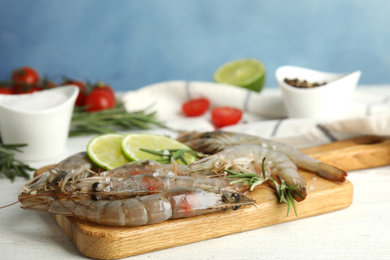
(361, 231)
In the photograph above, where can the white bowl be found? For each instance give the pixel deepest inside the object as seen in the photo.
(40, 119)
(329, 101)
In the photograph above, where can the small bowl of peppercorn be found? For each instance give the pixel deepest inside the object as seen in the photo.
(315, 94)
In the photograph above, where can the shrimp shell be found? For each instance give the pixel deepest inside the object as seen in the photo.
(131, 186)
(145, 167)
(213, 142)
(144, 210)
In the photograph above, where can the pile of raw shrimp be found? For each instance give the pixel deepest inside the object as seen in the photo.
(147, 192)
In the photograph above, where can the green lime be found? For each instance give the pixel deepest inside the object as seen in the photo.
(105, 151)
(132, 143)
(246, 73)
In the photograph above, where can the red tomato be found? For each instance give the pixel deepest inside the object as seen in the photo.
(23, 79)
(99, 99)
(80, 101)
(224, 116)
(5, 91)
(26, 75)
(101, 85)
(196, 107)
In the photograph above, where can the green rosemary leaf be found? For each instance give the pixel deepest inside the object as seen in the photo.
(293, 204)
(292, 187)
(288, 207)
(110, 120)
(176, 154)
(181, 157)
(170, 154)
(237, 181)
(247, 175)
(163, 160)
(154, 152)
(256, 184)
(11, 167)
(263, 167)
(282, 198)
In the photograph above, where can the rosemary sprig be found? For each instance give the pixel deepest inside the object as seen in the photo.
(171, 154)
(110, 121)
(11, 167)
(283, 190)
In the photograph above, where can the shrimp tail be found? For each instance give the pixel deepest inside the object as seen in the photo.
(332, 173)
(300, 193)
(326, 171)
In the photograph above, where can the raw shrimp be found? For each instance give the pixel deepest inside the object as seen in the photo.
(125, 187)
(212, 142)
(145, 167)
(76, 167)
(248, 157)
(144, 210)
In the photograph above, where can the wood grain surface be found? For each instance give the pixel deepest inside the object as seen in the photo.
(107, 242)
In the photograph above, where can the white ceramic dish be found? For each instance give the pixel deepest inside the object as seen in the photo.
(329, 101)
(40, 119)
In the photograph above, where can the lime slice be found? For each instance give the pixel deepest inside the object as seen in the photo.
(246, 73)
(132, 143)
(105, 151)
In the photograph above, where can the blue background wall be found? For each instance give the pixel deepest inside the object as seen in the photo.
(130, 44)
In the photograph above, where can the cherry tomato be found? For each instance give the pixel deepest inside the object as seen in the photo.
(5, 91)
(98, 99)
(101, 85)
(23, 79)
(196, 107)
(81, 98)
(25, 75)
(224, 116)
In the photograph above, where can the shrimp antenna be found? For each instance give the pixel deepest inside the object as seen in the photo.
(6, 206)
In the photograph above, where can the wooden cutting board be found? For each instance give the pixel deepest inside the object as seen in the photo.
(107, 242)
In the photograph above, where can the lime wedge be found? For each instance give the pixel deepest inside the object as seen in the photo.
(246, 73)
(132, 143)
(105, 151)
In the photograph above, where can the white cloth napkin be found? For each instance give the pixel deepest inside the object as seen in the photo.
(264, 113)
